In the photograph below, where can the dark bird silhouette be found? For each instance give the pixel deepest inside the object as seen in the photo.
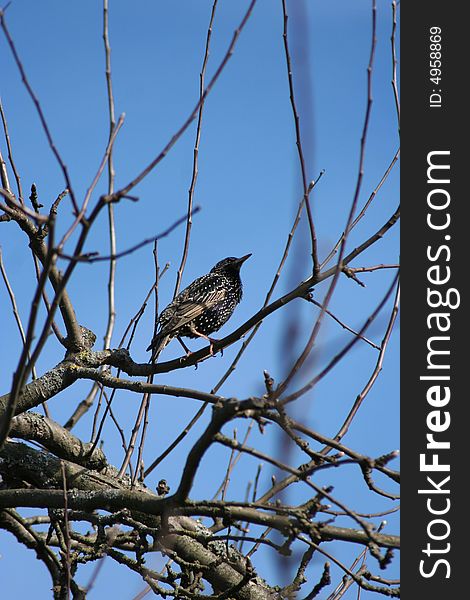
(203, 307)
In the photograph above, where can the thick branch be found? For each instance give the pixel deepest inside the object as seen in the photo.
(41, 389)
(95, 491)
(57, 439)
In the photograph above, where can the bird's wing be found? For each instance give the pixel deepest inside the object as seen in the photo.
(190, 309)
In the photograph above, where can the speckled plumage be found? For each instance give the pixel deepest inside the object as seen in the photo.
(203, 307)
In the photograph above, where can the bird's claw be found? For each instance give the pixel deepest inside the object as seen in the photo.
(213, 341)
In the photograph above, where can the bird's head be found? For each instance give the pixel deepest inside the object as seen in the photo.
(230, 264)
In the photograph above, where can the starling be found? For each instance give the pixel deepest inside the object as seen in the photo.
(203, 307)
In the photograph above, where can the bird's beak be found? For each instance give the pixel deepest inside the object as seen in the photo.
(241, 260)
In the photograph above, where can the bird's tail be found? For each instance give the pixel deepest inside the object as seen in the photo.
(157, 345)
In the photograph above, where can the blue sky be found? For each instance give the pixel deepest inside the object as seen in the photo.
(248, 188)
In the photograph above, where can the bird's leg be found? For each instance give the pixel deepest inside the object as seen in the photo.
(211, 341)
(186, 349)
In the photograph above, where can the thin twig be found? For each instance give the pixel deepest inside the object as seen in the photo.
(316, 328)
(261, 540)
(91, 257)
(363, 210)
(115, 421)
(192, 186)
(348, 581)
(394, 60)
(306, 198)
(224, 485)
(233, 462)
(10, 154)
(105, 159)
(125, 190)
(111, 174)
(133, 323)
(253, 499)
(139, 470)
(343, 325)
(301, 475)
(378, 367)
(344, 351)
(373, 268)
(178, 439)
(135, 431)
(39, 110)
(14, 306)
(66, 530)
(356, 577)
(4, 179)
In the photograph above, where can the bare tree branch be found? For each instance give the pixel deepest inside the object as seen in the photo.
(39, 110)
(125, 190)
